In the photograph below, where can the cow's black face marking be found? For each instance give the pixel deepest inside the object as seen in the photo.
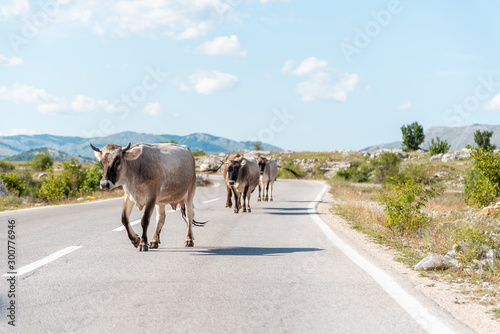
(111, 164)
(262, 166)
(232, 173)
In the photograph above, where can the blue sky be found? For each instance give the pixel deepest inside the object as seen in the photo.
(302, 75)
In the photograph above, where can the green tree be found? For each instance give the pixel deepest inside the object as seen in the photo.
(13, 183)
(439, 146)
(413, 136)
(42, 161)
(482, 139)
(257, 146)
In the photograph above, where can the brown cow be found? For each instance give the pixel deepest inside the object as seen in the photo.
(241, 176)
(151, 175)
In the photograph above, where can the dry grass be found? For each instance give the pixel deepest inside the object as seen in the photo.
(451, 221)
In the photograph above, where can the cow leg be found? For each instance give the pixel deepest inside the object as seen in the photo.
(189, 211)
(260, 182)
(228, 197)
(128, 205)
(247, 199)
(160, 220)
(237, 201)
(267, 191)
(143, 244)
(271, 187)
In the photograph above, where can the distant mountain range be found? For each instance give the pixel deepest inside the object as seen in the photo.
(79, 147)
(457, 137)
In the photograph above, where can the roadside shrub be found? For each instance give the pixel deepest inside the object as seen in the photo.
(42, 162)
(482, 140)
(6, 167)
(439, 146)
(403, 204)
(358, 172)
(482, 183)
(13, 183)
(55, 187)
(478, 190)
(385, 166)
(72, 181)
(92, 178)
(415, 173)
(32, 186)
(198, 153)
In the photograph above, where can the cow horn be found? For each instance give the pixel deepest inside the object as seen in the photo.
(94, 148)
(126, 148)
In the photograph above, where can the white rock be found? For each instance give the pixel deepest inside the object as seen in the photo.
(431, 262)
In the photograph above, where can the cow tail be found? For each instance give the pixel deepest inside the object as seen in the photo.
(194, 222)
(298, 176)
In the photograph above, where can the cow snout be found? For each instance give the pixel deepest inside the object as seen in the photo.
(106, 184)
(261, 172)
(231, 182)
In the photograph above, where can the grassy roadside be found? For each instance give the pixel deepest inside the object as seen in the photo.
(452, 222)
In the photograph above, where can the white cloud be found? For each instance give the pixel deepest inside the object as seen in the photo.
(323, 83)
(493, 104)
(307, 67)
(13, 61)
(15, 8)
(405, 106)
(152, 18)
(19, 93)
(152, 109)
(224, 45)
(86, 104)
(17, 132)
(209, 82)
(49, 104)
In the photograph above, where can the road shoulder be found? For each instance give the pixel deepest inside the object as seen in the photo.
(445, 294)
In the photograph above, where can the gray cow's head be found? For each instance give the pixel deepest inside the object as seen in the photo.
(233, 169)
(262, 162)
(113, 159)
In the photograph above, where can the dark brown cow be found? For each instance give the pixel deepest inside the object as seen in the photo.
(151, 175)
(241, 176)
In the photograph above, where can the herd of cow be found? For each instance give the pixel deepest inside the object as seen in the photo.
(155, 175)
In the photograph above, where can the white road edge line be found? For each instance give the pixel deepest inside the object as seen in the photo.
(44, 261)
(414, 308)
(122, 228)
(211, 200)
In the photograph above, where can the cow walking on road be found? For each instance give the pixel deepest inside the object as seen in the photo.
(242, 177)
(268, 172)
(151, 175)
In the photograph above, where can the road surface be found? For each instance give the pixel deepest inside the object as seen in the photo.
(274, 270)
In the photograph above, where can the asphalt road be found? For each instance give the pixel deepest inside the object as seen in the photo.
(270, 271)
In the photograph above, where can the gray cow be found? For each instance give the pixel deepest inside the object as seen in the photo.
(242, 177)
(268, 172)
(151, 175)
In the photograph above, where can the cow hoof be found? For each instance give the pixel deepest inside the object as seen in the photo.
(189, 243)
(258, 199)
(143, 248)
(271, 199)
(249, 210)
(153, 244)
(228, 205)
(235, 211)
(244, 210)
(136, 242)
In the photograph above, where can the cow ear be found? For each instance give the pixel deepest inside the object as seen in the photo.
(243, 162)
(133, 153)
(98, 155)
